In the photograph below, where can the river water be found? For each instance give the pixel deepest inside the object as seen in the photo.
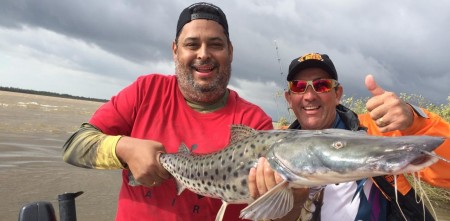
(33, 129)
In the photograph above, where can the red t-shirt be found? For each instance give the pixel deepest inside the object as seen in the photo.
(153, 108)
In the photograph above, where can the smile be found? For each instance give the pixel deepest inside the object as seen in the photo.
(204, 68)
(311, 107)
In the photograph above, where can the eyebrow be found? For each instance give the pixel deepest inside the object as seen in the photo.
(209, 39)
(318, 78)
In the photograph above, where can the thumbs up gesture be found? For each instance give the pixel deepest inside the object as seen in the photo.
(387, 110)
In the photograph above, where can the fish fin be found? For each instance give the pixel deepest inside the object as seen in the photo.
(276, 203)
(221, 213)
(180, 187)
(131, 180)
(239, 132)
(183, 149)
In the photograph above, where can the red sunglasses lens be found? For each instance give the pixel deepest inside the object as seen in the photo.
(322, 85)
(298, 86)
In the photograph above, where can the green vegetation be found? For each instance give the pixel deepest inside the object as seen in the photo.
(51, 94)
(443, 110)
(358, 105)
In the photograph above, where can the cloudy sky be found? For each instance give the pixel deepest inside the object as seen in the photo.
(95, 49)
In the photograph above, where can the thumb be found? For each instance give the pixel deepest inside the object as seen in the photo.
(163, 173)
(372, 86)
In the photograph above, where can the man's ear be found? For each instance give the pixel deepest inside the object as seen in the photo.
(174, 50)
(287, 96)
(339, 93)
(230, 50)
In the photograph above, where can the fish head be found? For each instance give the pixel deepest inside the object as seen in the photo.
(334, 155)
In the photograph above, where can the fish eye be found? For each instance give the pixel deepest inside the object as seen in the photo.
(338, 145)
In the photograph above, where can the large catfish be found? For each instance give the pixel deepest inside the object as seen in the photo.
(304, 158)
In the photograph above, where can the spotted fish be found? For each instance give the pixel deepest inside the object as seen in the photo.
(304, 158)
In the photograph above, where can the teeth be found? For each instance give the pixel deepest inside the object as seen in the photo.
(203, 69)
(311, 107)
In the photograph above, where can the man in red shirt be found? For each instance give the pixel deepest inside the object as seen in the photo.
(156, 113)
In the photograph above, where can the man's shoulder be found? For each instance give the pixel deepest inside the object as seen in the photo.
(251, 114)
(156, 77)
(155, 81)
(243, 103)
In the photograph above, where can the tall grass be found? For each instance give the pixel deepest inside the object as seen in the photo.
(443, 110)
(358, 105)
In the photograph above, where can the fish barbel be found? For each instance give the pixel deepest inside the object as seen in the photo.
(304, 158)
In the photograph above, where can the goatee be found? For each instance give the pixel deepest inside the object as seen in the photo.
(198, 93)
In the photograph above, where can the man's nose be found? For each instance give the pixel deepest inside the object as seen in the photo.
(309, 92)
(203, 52)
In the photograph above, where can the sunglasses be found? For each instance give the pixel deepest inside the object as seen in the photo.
(319, 85)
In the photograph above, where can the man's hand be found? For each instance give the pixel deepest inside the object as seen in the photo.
(262, 178)
(387, 110)
(142, 158)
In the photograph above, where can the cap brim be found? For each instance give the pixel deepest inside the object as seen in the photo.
(310, 64)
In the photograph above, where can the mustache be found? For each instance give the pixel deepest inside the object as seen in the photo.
(203, 63)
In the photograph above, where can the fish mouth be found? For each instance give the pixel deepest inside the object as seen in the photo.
(421, 160)
(418, 163)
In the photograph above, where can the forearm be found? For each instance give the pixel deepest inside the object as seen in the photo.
(90, 148)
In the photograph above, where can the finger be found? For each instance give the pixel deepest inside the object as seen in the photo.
(377, 113)
(382, 122)
(146, 181)
(252, 183)
(149, 180)
(260, 181)
(154, 183)
(157, 179)
(269, 176)
(278, 178)
(372, 86)
(162, 172)
(384, 129)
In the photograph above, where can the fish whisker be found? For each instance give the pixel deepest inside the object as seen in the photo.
(433, 154)
(422, 193)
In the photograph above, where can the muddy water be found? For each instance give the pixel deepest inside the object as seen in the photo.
(32, 131)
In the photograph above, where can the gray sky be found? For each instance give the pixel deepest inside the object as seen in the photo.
(95, 49)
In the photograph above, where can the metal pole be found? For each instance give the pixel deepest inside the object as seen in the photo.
(67, 211)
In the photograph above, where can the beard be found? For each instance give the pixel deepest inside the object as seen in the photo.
(201, 93)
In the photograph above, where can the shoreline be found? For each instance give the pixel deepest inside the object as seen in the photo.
(50, 94)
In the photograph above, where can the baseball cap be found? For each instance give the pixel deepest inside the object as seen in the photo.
(312, 60)
(202, 10)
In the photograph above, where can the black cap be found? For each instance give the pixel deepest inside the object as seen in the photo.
(312, 60)
(202, 10)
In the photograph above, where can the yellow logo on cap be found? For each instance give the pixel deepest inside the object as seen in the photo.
(310, 56)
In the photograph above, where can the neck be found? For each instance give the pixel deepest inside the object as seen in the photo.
(205, 107)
